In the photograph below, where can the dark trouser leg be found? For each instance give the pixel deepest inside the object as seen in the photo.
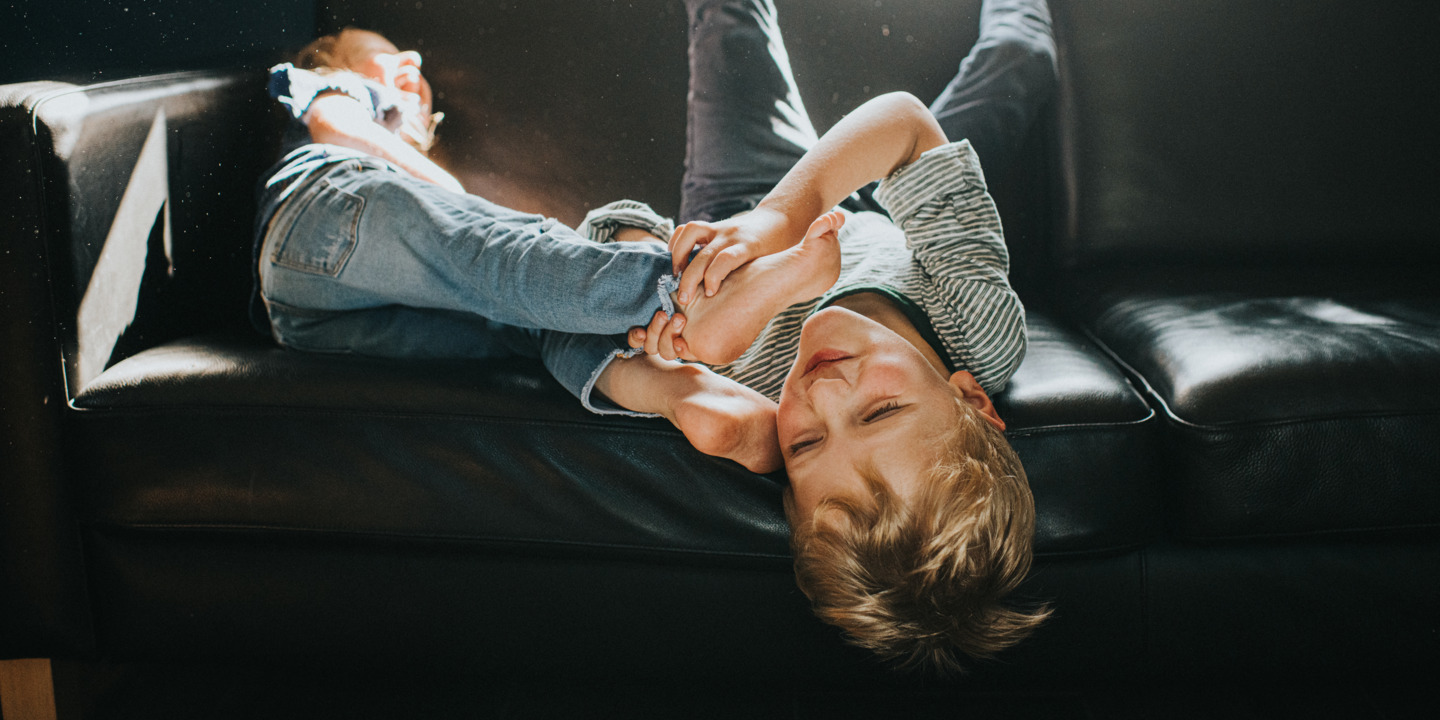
(746, 126)
(1002, 84)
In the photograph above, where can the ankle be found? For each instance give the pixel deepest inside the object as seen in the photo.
(647, 384)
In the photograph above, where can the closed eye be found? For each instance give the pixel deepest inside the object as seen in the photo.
(876, 414)
(882, 411)
(797, 447)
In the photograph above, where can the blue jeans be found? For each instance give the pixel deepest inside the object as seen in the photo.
(364, 259)
(746, 125)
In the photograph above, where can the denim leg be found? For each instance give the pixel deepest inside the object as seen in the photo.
(577, 361)
(396, 331)
(745, 124)
(1002, 84)
(360, 238)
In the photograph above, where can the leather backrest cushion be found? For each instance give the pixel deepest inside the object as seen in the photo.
(148, 188)
(1260, 132)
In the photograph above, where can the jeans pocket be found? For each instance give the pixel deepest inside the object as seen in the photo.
(323, 233)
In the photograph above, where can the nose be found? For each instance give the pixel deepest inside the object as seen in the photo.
(827, 393)
(832, 371)
(409, 58)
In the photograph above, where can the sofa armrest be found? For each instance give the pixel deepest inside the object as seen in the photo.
(43, 611)
(73, 156)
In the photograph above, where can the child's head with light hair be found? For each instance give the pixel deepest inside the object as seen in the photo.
(911, 515)
(372, 56)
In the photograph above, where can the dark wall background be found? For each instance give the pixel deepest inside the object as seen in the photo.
(544, 113)
(90, 40)
(550, 117)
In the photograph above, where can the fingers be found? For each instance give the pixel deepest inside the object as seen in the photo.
(669, 335)
(720, 267)
(692, 277)
(709, 267)
(684, 240)
(643, 337)
(655, 332)
(661, 337)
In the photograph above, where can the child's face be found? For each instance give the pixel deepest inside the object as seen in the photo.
(371, 55)
(860, 395)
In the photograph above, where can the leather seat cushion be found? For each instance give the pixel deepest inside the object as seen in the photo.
(1298, 402)
(230, 432)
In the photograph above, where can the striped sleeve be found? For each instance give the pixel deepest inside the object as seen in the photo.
(941, 204)
(602, 223)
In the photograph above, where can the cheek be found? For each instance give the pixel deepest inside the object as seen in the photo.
(886, 379)
(787, 420)
(807, 496)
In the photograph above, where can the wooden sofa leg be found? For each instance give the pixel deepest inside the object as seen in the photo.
(26, 690)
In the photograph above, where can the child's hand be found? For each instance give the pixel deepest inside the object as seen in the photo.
(717, 329)
(721, 247)
(417, 127)
(662, 337)
(729, 244)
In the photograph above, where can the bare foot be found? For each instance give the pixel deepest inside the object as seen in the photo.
(719, 328)
(718, 415)
(731, 421)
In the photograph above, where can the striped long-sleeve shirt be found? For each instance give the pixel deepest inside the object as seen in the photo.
(941, 252)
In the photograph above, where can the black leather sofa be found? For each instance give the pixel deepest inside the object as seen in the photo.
(1225, 231)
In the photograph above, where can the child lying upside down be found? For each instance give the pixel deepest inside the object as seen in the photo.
(880, 322)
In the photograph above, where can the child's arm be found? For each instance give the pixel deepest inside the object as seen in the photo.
(338, 119)
(873, 141)
(718, 415)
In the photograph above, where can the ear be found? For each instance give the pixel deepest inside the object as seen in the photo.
(969, 391)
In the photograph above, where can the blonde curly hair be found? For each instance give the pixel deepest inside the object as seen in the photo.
(917, 582)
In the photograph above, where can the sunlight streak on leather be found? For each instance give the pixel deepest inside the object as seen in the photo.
(108, 306)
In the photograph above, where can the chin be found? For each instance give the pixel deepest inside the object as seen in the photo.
(824, 325)
(831, 314)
